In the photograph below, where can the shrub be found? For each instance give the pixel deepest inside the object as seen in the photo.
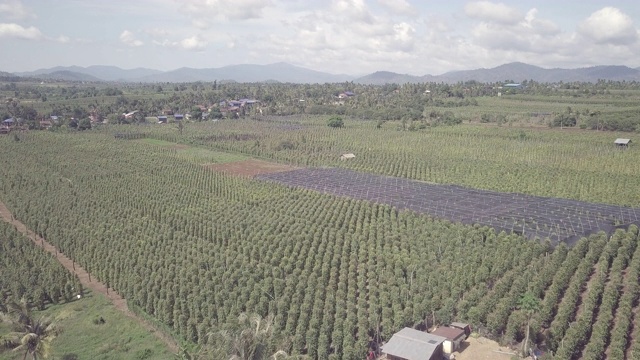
(336, 122)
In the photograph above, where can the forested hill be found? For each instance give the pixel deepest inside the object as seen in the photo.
(287, 73)
(516, 72)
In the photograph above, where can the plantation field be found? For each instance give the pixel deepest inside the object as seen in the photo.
(579, 165)
(194, 248)
(30, 273)
(534, 217)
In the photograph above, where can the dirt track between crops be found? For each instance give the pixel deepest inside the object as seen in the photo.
(88, 281)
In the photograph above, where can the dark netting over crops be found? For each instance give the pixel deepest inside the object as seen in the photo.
(532, 216)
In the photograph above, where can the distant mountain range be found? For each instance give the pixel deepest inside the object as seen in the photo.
(286, 73)
(511, 72)
(278, 72)
(95, 72)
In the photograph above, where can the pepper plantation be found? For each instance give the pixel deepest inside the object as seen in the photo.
(193, 246)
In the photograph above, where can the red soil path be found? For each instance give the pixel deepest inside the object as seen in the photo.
(85, 278)
(250, 168)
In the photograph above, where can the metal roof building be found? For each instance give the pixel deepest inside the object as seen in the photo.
(411, 344)
(622, 142)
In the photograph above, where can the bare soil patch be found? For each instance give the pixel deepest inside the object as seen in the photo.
(483, 349)
(250, 168)
(85, 278)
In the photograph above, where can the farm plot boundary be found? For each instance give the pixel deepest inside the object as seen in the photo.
(560, 220)
(250, 168)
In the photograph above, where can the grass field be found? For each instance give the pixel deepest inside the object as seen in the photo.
(196, 154)
(120, 337)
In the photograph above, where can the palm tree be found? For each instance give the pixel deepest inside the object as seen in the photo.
(530, 304)
(33, 336)
(252, 339)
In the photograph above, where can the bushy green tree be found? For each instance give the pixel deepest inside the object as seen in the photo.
(336, 122)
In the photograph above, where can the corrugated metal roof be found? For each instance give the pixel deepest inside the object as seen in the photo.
(459, 325)
(412, 344)
(448, 332)
(621, 141)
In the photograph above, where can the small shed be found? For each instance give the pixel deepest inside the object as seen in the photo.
(178, 117)
(347, 156)
(411, 344)
(162, 119)
(45, 124)
(454, 337)
(622, 142)
(9, 122)
(464, 326)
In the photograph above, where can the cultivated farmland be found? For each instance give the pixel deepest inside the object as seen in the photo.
(531, 216)
(193, 247)
(579, 165)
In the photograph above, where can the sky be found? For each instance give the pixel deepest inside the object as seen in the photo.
(354, 37)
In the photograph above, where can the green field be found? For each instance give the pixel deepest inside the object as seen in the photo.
(197, 248)
(32, 274)
(196, 154)
(119, 337)
(196, 251)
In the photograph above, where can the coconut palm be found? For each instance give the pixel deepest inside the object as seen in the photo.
(252, 339)
(29, 335)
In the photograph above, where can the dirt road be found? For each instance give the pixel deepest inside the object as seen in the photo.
(89, 282)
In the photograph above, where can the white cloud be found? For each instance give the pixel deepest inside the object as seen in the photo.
(356, 10)
(403, 37)
(14, 9)
(528, 36)
(193, 43)
(157, 32)
(345, 33)
(63, 39)
(400, 7)
(540, 26)
(204, 12)
(18, 32)
(609, 25)
(129, 39)
(492, 12)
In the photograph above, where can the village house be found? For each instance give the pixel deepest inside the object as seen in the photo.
(411, 344)
(454, 337)
(464, 326)
(9, 122)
